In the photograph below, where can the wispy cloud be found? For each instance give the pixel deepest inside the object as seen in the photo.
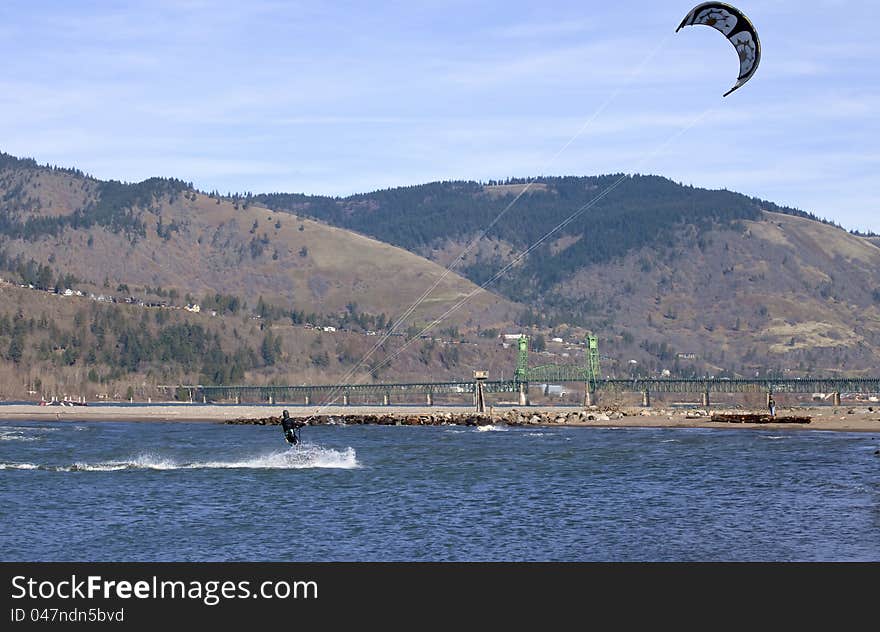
(327, 98)
(540, 30)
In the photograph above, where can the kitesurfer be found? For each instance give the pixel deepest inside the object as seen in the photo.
(290, 427)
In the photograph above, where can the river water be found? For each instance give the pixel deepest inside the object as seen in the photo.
(129, 491)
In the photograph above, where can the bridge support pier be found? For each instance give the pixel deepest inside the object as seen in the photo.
(429, 399)
(480, 397)
(345, 400)
(480, 378)
(589, 397)
(705, 401)
(386, 399)
(646, 399)
(524, 394)
(836, 399)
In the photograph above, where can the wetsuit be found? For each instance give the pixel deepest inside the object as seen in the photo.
(290, 427)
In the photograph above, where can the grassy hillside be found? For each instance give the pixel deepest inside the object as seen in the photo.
(161, 233)
(782, 293)
(56, 346)
(617, 215)
(671, 278)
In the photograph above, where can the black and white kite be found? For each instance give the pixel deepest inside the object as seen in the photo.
(737, 28)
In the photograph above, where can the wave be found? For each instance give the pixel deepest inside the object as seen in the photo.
(493, 428)
(24, 433)
(16, 436)
(305, 457)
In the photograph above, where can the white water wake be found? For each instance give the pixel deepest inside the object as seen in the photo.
(304, 457)
(23, 433)
(492, 428)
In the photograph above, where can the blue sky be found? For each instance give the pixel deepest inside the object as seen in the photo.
(345, 97)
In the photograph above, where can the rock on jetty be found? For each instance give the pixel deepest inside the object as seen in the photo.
(511, 417)
(759, 419)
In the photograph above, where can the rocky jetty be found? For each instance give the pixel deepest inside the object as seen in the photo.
(760, 419)
(512, 417)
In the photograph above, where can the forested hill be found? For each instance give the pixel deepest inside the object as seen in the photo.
(162, 235)
(656, 268)
(617, 215)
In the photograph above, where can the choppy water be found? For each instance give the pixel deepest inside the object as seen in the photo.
(185, 491)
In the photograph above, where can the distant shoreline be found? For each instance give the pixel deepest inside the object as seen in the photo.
(832, 419)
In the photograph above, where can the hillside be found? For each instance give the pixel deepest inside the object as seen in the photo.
(68, 346)
(163, 234)
(779, 293)
(616, 215)
(873, 239)
(672, 278)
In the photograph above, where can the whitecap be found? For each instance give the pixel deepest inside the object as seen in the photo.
(303, 457)
(492, 428)
(16, 436)
(23, 433)
(99, 467)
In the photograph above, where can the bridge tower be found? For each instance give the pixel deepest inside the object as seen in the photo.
(522, 359)
(521, 377)
(591, 370)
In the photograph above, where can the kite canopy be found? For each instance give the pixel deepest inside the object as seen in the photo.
(737, 28)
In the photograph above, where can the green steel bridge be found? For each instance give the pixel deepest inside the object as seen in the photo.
(525, 375)
(343, 393)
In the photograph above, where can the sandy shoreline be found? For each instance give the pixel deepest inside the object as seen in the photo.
(842, 419)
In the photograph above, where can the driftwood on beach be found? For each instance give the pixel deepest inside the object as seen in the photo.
(759, 419)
